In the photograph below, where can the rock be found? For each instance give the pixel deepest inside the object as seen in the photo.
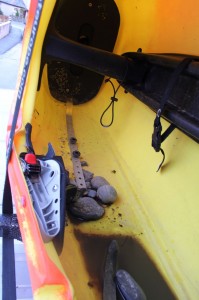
(84, 163)
(88, 184)
(128, 287)
(71, 192)
(98, 181)
(91, 193)
(107, 194)
(87, 175)
(87, 209)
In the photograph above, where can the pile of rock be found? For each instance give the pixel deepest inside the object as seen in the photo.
(90, 204)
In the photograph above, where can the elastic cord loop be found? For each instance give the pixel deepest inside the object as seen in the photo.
(111, 105)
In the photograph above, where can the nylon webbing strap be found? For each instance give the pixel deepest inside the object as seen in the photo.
(8, 255)
(157, 137)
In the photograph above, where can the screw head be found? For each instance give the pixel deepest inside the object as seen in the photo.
(55, 188)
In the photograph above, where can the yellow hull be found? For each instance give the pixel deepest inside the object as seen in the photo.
(155, 218)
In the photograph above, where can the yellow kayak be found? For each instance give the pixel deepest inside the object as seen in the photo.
(113, 76)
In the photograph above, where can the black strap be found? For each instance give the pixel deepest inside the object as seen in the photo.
(157, 136)
(8, 256)
(8, 263)
(172, 82)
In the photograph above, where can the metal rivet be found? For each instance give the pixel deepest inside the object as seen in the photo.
(55, 188)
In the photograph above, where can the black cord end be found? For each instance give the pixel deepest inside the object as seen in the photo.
(163, 159)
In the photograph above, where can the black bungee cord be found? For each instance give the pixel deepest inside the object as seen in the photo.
(111, 105)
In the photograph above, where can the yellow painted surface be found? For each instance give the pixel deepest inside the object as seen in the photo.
(50, 292)
(158, 210)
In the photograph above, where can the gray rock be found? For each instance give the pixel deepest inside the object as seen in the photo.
(98, 181)
(84, 163)
(88, 184)
(87, 175)
(87, 209)
(128, 288)
(107, 194)
(91, 193)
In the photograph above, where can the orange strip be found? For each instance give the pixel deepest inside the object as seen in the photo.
(42, 270)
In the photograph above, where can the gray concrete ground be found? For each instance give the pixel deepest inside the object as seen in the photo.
(6, 97)
(9, 41)
(10, 50)
(13, 38)
(9, 64)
